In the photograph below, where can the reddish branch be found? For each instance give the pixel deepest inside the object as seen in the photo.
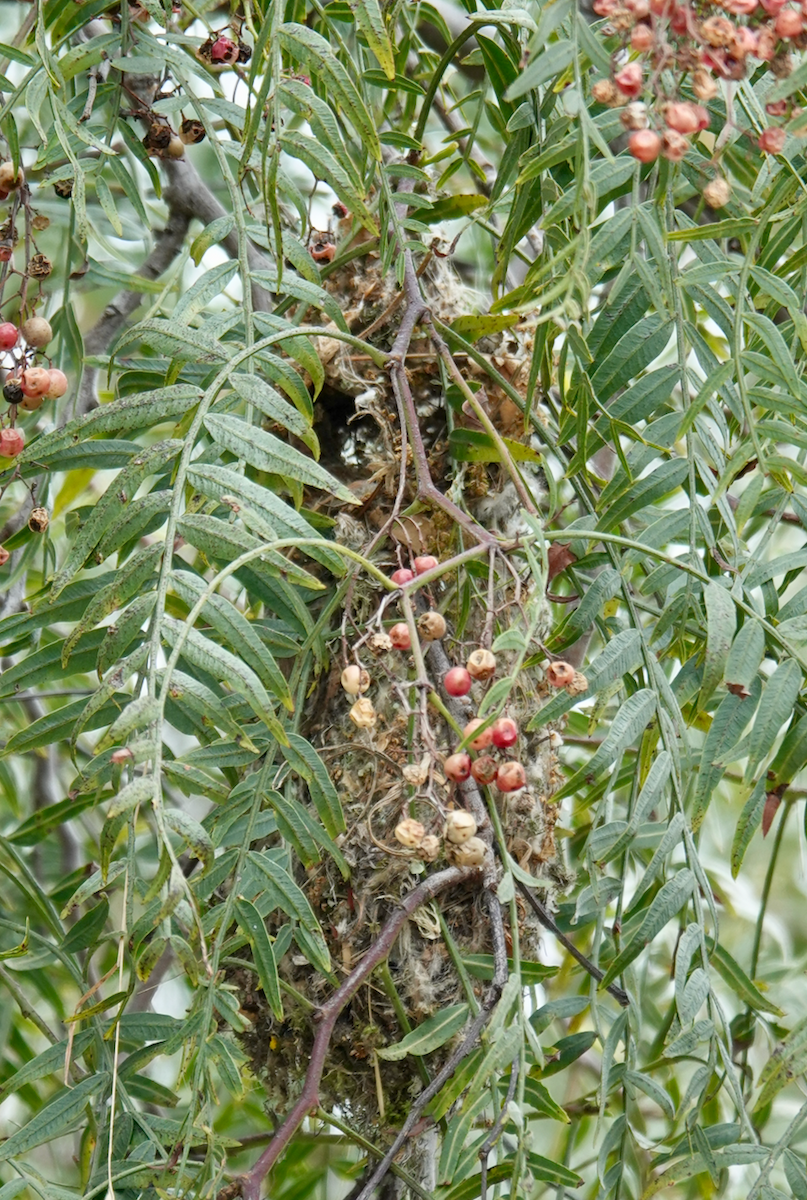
(329, 1013)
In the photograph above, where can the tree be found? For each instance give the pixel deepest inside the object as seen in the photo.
(403, 612)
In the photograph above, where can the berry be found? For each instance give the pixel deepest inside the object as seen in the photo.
(35, 381)
(5, 251)
(458, 768)
(645, 145)
(362, 713)
(460, 826)
(11, 442)
(400, 636)
(484, 739)
(470, 853)
(401, 576)
(355, 680)
(675, 145)
(605, 92)
(432, 626)
(175, 148)
(223, 50)
(9, 335)
(191, 131)
(772, 140)
(457, 681)
(38, 520)
(9, 179)
(124, 754)
(58, 384)
(426, 562)
(322, 251)
(429, 849)
(717, 193)
(410, 833)
(505, 733)
(641, 38)
(560, 674)
(481, 664)
(12, 391)
(484, 769)
(31, 403)
(629, 79)
(510, 777)
(682, 117)
(4, 556)
(37, 332)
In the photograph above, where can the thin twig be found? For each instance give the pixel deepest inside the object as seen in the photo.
(498, 1125)
(329, 1013)
(546, 920)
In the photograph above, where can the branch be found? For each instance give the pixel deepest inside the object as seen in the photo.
(465, 1047)
(329, 1013)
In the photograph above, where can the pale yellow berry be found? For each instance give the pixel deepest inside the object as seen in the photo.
(363, 714)
(460, 826)
(410, 833)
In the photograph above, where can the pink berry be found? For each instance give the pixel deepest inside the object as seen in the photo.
(641, 38)
(9, 335)
(426, 562)
(484, 739)
(458, 767)
(505, 732)
(11, 442)
(772, 140)
(223, 50)
(674, 145)
(400, 637)
(510, 777)
(682, 117)
(35, 382)
(789, 23)
(645, 145)
(629, 79)
(4, 556)
(457, 681)
(401, 576)
(58, 384)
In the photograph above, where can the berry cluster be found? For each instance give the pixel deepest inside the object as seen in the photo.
(162, 142)
(675, 40)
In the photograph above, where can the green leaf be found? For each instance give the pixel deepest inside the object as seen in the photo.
(721, 621)
(57, 1117)
(732, 974)
(670, 899)
(746, 654)
(630, 720)
(776, 345)
(87, 929)
(776, 706)
(472, 445)
(430, 1035)
(267, 453)
(192, 833)
(547, 1171)
(211, 235)
(285, 894)
(747, 825)
(303, 758)
(545, 66)
(731, 718)
(267, 400)
(788, 1062)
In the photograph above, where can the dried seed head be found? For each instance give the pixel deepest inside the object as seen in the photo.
(410, 833)
(578, 684)
(459, 827)
(363, 714)
(380, 643)
(481, 664)
(416, 774)
(634, 115)
(560, 674)
(355, 680)
(703, 85)
(40, 267)
(470, 853)
(429, 849)
(38, 520)
(606, 92)
(432, 626)
(555, 740)
(191, 131)
(63, 188)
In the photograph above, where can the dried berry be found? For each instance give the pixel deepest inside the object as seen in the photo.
(410, 833)
(355, 680)
(322, 250)
(158, 136)
(459, 827)
(717, 193)
(39, 267)
(432, 626)
(470, 853)
(191, 131)
(560, 674)
(363, 714)
(772, 140)
(429, 849)
(12, 391)
(484, 769)
(9, 179)
(63, 188)
(38, 520)
(577, 685)
(481, 665)
(510, 777)
(458, 767)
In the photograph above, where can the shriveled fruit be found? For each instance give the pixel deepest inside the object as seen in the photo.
(560, 674)
(36, 331)
(355, 679)
(481, 664)
(629, 79)
(191, 131)
(425, 562)
(58, 384)
(484, 769)
(11, 442)
(470, 853)
(510, 777)
(35, 381)
(400, 636)
(577, 685)
(363, 714)
(401, 576)
(12, 391)
(457, 767)
(9, 178)
(682, 117)
(457, 681)
(460, 826)
(674, 145)
(9, 335)
(432, 626)
(505, 733)
(39, 520)
(482, 740)
(410, 833)
(429, 849)
(717, 193)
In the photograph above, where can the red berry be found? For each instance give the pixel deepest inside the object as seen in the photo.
(505, 732)
(457, 681)
(683, 117)
(772, 140)
(484, 769)
(9, 335)
(629, 79)
(641, 38)
(35, 382)
(510, 777)
(11, 442)
(400, 637)
(484, 739)
(223, 50)
(5, 252)
(401, 576)
(458, 767)
(645, 145)
(426, 562)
